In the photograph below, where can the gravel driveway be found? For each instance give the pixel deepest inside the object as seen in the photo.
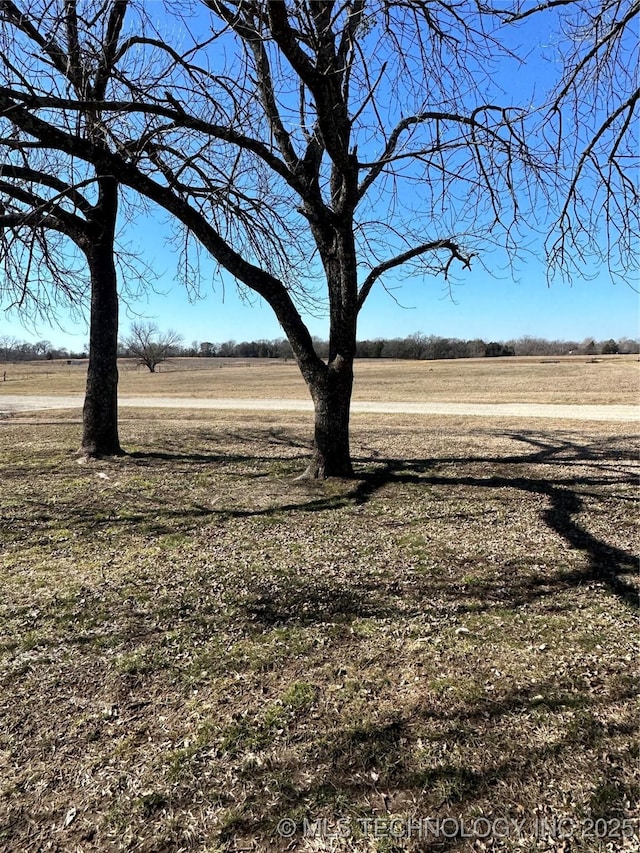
(12, 403)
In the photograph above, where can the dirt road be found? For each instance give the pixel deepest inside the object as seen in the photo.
(13, 403)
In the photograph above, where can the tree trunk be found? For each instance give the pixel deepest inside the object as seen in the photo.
(100, 413)
(332, 401)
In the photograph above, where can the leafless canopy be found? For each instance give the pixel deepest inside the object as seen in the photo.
(251, 113)
(592, 121)
(50, 201)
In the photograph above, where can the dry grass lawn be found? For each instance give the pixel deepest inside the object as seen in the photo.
(195, 648)
(575, 379)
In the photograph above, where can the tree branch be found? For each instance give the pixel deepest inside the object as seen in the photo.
(615, 30)
(24, 173)
(110, 48)
(405, 124)
(42, 208)
(416, 251)
(262, 282)
(179, 119)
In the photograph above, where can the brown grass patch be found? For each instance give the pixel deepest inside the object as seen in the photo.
(572, 379)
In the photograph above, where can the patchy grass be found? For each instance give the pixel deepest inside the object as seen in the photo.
(193, 647)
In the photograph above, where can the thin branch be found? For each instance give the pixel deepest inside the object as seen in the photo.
(416, 251)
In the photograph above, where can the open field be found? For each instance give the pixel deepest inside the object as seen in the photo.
(569, 380)
(195, 648)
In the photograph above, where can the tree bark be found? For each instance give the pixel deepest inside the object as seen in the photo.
(100, 412)
(331, 455)
(331, 387)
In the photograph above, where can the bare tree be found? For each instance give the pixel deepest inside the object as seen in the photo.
(150, 346)
(7, 346)
(48, 199)
(310, 147)
(37, 205)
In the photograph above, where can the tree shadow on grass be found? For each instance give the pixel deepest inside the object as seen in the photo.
(147, 458)
(427, 762)
(314, 601)
(565, 472)
(607, 564)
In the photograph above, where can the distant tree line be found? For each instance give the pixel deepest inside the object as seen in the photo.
(413, 347)
(12, 349)
(418, 347)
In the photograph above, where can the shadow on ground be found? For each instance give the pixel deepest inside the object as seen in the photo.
(599, 464)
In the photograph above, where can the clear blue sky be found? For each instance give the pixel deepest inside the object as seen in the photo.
(495, 305)
(489, 307)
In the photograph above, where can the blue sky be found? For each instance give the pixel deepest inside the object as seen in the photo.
(494, 305)
(483, 305)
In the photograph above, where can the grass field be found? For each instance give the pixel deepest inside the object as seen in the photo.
(199, 653)
(573, 379)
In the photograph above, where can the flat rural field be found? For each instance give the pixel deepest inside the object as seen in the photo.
(200, 653)
(571, 380)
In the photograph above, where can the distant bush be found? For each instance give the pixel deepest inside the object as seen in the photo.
(610, 347)
(494, 350)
